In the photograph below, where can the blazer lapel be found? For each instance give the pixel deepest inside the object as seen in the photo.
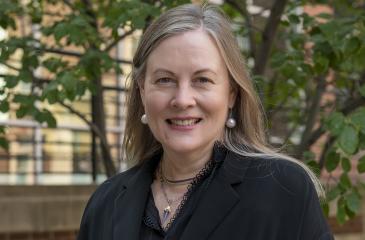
(130, 203)
(218, 200)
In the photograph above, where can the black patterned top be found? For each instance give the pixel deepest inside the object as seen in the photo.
(151, 228)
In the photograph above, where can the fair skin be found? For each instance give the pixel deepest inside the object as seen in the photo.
(186, 96)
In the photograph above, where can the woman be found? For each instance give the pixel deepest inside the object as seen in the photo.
(194, 128)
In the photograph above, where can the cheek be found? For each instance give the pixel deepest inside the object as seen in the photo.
(155, 106)
(217, 104)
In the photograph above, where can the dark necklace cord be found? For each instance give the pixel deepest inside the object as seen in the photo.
(176, 182)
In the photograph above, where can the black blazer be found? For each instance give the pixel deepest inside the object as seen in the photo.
(248, 199)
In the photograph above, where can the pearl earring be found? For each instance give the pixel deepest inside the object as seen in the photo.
(231, 122)
(144, 119)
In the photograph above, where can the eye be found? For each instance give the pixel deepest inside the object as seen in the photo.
(164, 80)
(203, 80)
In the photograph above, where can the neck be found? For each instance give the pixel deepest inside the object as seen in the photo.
(180, 166)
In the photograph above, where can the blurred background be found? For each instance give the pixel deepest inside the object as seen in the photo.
(63, 71)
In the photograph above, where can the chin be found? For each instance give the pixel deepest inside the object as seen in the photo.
(184, 147)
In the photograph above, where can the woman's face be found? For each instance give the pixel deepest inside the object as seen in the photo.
(186, 92)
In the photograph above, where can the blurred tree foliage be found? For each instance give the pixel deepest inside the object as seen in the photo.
(309, 71)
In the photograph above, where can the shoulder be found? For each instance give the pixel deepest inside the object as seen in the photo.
(110, 188)
(101, 203)
(292, 176)
(279, 174)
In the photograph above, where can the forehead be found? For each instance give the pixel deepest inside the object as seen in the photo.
(192, 50)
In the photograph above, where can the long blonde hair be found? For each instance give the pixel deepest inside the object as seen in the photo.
(248, 137)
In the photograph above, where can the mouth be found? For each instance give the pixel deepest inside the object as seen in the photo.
(184, 122)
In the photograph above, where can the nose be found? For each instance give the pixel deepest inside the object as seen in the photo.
(183, 97)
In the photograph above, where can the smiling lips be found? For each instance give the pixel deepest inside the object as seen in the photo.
(183, 123)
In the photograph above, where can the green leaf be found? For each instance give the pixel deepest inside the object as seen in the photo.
(333, 194)
(307, 20)
(349, 139)
(24, 99)
(11, 81)
(351, 45)
(329, 29)
(25, 76)
(332, 160)
(22, 111)
(4, 106)
(288, 70)
(309, 156)
(60, 31)
(69, 82)
(53, 64)
(50, 119)
(349, 213)
(361, 165)
(345, 181)
(30, 61)
(362, 90)
(294, 19)
(7, 10)
(321, 64)
(50, 92)
(52, 97)
(325, 16)
(46, 116)
(4, 143)
(358, 119)
(335, 123)
(285, 23)
(346, 164)
(326, 208)
(314, 166)
(353, 202)
(361, 141)
(341, 213)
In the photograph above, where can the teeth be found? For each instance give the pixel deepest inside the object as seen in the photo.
(187, 122)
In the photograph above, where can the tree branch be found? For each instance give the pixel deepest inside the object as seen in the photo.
(53, 14)
(312, 116)
(60, 51)
(10, 66)
(290, 132)
(92, 126)
(241, 7)
(112, 44)
(272, 111)
(97, 100)
(96, 130)
(268, 36)
(74, 54)
(327, 145)
(347, 109)
(41, 81)
(69, 4)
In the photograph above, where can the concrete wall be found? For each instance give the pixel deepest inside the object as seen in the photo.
(42, 208)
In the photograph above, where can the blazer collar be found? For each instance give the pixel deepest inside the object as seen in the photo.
(218, 200)
(130, 202)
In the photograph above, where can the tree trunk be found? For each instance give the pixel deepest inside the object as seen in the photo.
(97, 104)
(98, 118)
(268, 36)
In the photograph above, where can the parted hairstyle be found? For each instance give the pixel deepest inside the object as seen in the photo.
(248, 137)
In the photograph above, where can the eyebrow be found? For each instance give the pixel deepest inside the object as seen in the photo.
(163, 70)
